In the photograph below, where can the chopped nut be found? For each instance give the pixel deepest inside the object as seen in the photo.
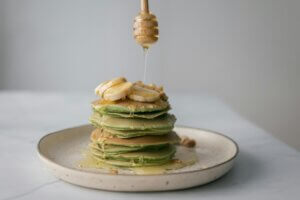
(114, 171)
(160, 88)
(177, 161)
(163, 96)
(187, 142)
(152, 86)
(139, 83)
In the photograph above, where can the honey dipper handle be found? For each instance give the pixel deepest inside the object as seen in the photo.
(144, 6)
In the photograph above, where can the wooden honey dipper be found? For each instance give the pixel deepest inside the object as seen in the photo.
(145, 27)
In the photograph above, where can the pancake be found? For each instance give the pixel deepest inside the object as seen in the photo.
(144, 115)
(129, 106)
(137, 133)
(127, 164)
(116, 149)
(138, 158)
(104, 138)
(163, 122)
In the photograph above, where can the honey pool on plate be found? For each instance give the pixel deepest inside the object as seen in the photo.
(183, 158)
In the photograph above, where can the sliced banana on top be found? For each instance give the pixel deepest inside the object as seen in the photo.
(117, 92)
(143, 94)
(158, 89)
(108, 84)
(98, 88)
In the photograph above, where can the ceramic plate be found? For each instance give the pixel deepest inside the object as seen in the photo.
(61, 152)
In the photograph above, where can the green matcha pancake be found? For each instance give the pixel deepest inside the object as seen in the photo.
(118, 123)
(138, 158)
(129, 106)
(136, 133)
(104, 138)
(116, 149)
(144, 115)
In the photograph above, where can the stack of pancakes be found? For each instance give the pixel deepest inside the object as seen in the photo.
(132, 133)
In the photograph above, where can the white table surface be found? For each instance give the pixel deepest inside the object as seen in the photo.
(265, 168)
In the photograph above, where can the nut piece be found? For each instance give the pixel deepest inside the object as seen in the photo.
(114, 171)
(187, 142)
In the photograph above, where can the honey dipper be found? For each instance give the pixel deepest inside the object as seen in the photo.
(145, 27)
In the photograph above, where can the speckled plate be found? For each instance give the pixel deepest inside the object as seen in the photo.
(61, 152)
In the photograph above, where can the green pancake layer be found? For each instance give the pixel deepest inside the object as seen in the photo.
(117, 123)
(129, 106)
(138, 158)
(117, 149)
(127, 164)
(104, 140)
(144, 115)
(137, 133)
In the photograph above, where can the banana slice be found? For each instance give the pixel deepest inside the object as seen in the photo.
(116, 92)
(97, 89)
(107, 84)
(158, 89)
(142, 94)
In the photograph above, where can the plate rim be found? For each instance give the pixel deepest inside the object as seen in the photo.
(41, 156)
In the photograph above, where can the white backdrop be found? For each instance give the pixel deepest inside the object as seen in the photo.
(246, 52)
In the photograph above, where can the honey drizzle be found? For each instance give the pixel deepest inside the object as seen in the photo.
(145, 51)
